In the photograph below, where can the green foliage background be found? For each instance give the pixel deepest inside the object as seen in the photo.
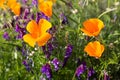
(11, 67)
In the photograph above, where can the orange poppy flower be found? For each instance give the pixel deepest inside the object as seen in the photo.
(92, 27)
(94, 49)
(37, 33)
(46, 7)
(2, 4)
(53, 0)
(14, 6)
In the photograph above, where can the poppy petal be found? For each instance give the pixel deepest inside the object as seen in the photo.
(29, 39)
(43, 39)
(11, 2)
(87, 32)
(46, 7)
(16, 9)
(94, 49)
(90, 49)
(91, 25)
(2, 4)
(44, 25)
(32, 27)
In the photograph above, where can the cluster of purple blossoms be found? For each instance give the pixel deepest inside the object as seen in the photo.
(81, 68)
(28, 63)
(106, 77)
(6, 36)
(35, 2)
(20, 31)
(25, 63)
(40, 15)
(48, 50)
(46, 69)
(56, 63)
(90, 72)
(63, 19)
(68, 53)
(24, 1)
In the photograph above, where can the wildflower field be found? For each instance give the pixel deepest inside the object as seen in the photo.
(59, 39)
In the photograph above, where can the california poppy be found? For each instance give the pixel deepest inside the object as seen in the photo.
(2, 4)
(46, 7)
(14, 6)
(92, 27)
(94, 49)
(37, 33)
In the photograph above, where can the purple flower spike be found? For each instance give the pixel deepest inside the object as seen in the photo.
(63, 18)
(35, 2)
(25, 63)
(90, 72)
(46, 69)
(106, 77)
(17, 28)
(67, 53)
(40, 15)
(21, 32)
(6, 36)
(80, 69)
(26, 13)
(56, 63)
(24, 1)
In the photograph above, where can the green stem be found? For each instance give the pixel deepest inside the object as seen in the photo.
(73, 78)
(11, 44)
(73, 20)
(107, 11)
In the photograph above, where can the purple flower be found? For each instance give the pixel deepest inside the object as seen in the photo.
(90, 72)
(25, 63)
(40, 15)
(21, 31)
(24, 1)
(17, 28)
(35, 2)
(80, 69)
(6, 36)
(52, 30)
(67, 53)
(48, 49)
(26, 13)
(46, 69)
(106, 77)
(56, 63)
(63, 18)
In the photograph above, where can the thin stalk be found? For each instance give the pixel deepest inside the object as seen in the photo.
(107, 11)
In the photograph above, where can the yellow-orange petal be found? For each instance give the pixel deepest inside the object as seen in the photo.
(87, 32)
(40, 1)
(92, 27)
(16, 9)
(11, 2)
(94, 49)
(32, 27)
(100, 24)
(102, 48)
(44, 25)
(2, 4)
(90, 49)
(42, 40)
(46, 8)
(53, 0)
(29, 39)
